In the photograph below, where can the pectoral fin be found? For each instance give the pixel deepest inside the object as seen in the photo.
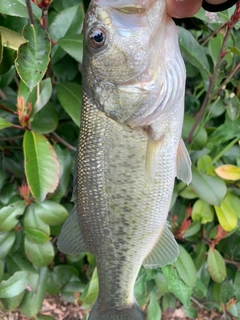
(152, 157)
(71, 240)
(184, 172)
(164, 252)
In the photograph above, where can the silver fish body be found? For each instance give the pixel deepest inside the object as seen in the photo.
(130, 148)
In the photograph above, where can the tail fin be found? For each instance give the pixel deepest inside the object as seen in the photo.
(132, 313)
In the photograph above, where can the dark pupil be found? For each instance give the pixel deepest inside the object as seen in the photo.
(99, 37)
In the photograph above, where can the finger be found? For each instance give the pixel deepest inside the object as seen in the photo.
(183, 8)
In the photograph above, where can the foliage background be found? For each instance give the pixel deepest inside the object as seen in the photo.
(40, 103)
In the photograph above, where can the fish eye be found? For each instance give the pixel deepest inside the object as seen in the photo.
(97, 38)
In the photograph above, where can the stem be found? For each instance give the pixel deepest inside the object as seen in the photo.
(222, 153)
(6, 109)
(59, 139)
(11, 138)
(235, 263)
(2, 95)
(30, 12)
(213, 34)
(18, 127)
(231, 74)
(211, 84)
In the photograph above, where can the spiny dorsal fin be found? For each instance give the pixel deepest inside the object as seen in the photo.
(184, 171)
(152, 158)
(164, 252)
(71, 240)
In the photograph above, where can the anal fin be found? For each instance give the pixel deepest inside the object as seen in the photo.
(164, 252)
(70, 240)
(183, 169)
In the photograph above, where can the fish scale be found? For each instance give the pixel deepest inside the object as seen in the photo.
(130, 149)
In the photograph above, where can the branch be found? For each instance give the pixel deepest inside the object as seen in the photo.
(11, 138)
(59, 139)
(231, 74)
(30, 12)
(198, 117)
(6, 109)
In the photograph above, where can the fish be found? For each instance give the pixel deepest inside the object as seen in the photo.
(130, 148)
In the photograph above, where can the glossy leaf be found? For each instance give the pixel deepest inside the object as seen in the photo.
(9, 215)
(39, 254)
(228, 172)
(4, 123)
(200, 255)
(91, 292)
(51, 212)
(10, 304)
(73, 45)
(200, 136)
(39, 97)
(6, 242)
(46, 120)
(237, 285)
(36, 236)
(177, 286)
(69, 94)
(18, 8)
(11, 39)
(216, 266)
(210, 189)
(41, 165)
(153, 309)
(185, 267)
(202, 211)
(227, 213)
(33, 56)
(33, 300)
(14, 285)
(193, 51)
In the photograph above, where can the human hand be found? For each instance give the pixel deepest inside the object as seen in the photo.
(187, 8)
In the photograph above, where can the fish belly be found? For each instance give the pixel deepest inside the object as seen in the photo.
(121, 215)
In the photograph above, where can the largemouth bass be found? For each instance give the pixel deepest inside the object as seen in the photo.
(130, 148)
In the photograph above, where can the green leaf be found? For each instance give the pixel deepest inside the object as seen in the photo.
(41, 165)
(177, 286)
(235, 50)
(46, 120)
(33, 56)
(193, 229)
(91, 291)
(202, 211)
(185, 267)
(66, 22)
(237, 285)
(199, 138)
(51, 212)
(154, 311)
(32, 220)
(1, 271)
(192, 50)
(11, 39)
(227, 213)
(9, 214)
(14, 285)
(200, 255)
(39, 254)
(36, 236)
(210, 189)
(10, 304)
(41, 98)
(69, 95)
(4, 124)
(186, 192)
(73, 45)
(18, 8)
(216, 265)
(228, 172)
(66, 164)
(33, 300)
(6, 242)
